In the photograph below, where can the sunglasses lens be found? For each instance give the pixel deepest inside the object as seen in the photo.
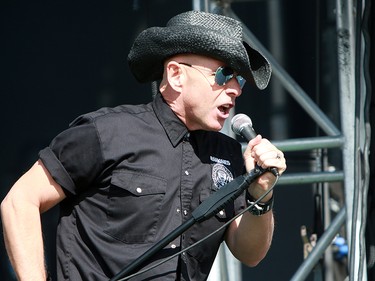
(241, 81)
(224, 74)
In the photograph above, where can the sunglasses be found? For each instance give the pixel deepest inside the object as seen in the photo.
(223, 74)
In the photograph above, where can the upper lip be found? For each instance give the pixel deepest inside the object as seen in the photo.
(227, 105)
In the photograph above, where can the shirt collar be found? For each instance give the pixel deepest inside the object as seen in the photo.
(173, 126)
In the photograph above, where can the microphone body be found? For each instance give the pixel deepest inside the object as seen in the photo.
(241, 125)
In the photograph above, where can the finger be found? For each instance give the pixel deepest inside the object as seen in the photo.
(273, 158)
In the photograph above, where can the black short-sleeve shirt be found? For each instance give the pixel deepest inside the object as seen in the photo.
(132, 174)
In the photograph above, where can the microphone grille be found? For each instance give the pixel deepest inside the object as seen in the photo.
(239, 121)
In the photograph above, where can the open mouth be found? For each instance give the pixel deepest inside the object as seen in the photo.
(224, 109)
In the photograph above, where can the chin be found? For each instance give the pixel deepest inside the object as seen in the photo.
(216, 127)
(212, 124)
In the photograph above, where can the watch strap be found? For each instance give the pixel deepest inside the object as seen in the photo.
(259, 208)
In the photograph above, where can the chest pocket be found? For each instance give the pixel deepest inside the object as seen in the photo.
(134, 206)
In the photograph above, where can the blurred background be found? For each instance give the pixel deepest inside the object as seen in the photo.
(60, 59)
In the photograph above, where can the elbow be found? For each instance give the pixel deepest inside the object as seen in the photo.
(5, 210)
(252, 264)
(6, 206)
(12, 204)
(252, 260)
(251, 257)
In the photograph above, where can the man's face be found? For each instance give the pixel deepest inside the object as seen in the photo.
(206, 103)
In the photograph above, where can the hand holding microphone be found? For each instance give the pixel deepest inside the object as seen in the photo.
(241, 125)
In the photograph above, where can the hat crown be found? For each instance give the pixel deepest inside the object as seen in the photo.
(195, 32)
(228, 26)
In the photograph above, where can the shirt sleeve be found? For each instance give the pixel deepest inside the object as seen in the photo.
(74, 157)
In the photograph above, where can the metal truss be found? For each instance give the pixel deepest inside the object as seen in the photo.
(352, 140)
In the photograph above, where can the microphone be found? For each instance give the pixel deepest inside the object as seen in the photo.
(241, 125)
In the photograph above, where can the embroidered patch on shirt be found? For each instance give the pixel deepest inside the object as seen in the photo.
(221, 175)
(221, 161)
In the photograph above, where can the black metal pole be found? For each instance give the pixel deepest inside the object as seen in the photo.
(153, 250)
(204, 211)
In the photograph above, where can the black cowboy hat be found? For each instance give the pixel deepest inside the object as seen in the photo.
(200, 33)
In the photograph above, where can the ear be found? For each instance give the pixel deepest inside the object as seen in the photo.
(175, 75)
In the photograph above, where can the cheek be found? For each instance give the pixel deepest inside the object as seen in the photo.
(198, 97)
(201, 100)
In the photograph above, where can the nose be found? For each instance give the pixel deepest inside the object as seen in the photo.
(233, 87)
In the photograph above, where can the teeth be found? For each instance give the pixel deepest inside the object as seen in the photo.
(224, 108)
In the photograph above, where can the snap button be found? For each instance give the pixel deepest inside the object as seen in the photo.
(139, 190)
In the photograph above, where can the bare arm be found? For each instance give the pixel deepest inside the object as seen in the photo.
(249, 237)
(34, 193)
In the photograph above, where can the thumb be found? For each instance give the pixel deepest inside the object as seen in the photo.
(253, 142)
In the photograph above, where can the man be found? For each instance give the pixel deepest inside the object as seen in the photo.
(126, 177)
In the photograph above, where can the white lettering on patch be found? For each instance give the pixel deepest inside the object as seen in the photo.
(220, 161)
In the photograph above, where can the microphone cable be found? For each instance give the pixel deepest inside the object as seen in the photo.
(208, 236)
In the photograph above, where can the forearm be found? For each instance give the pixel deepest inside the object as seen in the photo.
(252, 237)
(23, 238)
(249, 237)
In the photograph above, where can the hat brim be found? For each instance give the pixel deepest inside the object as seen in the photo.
(156, 44)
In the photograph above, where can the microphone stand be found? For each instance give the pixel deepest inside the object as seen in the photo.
(207, 209)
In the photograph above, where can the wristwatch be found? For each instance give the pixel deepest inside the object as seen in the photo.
(259, 208)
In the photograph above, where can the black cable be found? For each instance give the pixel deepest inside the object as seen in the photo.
(204, 211)
(205, 238)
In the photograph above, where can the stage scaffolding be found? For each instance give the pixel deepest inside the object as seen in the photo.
(352, 140)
